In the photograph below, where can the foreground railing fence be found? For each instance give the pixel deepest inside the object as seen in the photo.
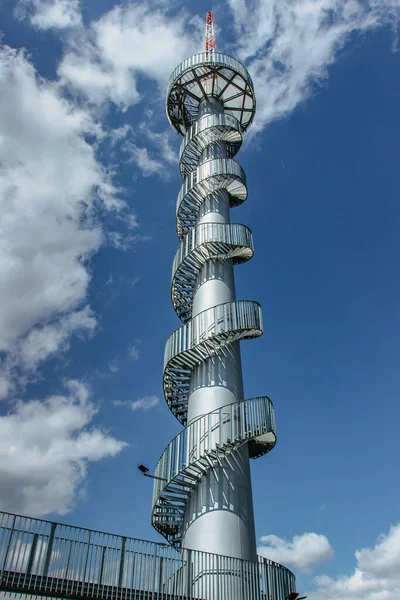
(43, 558)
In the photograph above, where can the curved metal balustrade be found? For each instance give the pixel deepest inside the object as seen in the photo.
(205, 131)
(209, 177)
(207, 241)
(205, 335)
(199, 77)
(200, 446)
(43, 558)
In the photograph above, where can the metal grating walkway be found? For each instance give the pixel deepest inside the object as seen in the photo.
(21, 583)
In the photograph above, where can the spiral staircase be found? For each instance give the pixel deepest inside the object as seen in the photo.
(209, 171)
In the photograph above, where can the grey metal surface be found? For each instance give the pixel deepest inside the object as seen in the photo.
(43, 558)
(219, 514)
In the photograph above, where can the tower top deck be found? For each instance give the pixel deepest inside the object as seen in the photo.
(202, 77)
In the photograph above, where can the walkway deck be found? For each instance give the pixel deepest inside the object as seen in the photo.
(43, 558)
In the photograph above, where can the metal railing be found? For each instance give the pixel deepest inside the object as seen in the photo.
(189, 84)
(200, 446)
(206, 334)
(206, 241)
(222, 128)
(217, 58)
(43, 558)
(211, 176)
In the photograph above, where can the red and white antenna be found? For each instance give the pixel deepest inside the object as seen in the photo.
(209, 37)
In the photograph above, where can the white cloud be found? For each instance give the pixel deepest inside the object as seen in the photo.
(155, 157)
(41, 343)
(134, 352)
(376, 576)
(51, 14)
(45, 448)
(142, 159)
(125, 241)
(113, 366)
(45, 341)
(288, 45)
(146, 403)
(127, 41)
(51, 188)
(162, 141)
(302, 553)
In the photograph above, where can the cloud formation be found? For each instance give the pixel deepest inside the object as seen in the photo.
(376, 576)
(45, 447)
(303, 552)
(50, 14)
(155, 156)
(134, 352)
(104, 64)
(145, 403)
(52, 188)
(289, 45)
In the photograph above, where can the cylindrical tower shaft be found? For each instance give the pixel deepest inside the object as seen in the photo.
(219, 516)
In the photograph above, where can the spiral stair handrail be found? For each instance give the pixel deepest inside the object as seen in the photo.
(198, 447)
(208, 129)
(204, 336)
(208, 241)
(211, 176)
(211, 140)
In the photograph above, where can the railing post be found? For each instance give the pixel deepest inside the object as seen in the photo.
(243, 580)
(122, 562)
(49, 549)
(87, 556)
(188, 574)
(160, 576)
(217, 559)
(32, 554)
(8, 545)
(103, 552)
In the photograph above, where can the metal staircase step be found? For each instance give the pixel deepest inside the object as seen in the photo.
(174, 489)
(171, 498)
(182, 480)
(190, 479)
(194, 468)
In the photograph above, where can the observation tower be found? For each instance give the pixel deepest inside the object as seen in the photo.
(202, 493)
(202, 499)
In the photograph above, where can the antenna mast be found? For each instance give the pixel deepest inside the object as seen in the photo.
(209, 37)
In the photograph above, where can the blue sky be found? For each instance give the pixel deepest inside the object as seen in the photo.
(88, 185)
